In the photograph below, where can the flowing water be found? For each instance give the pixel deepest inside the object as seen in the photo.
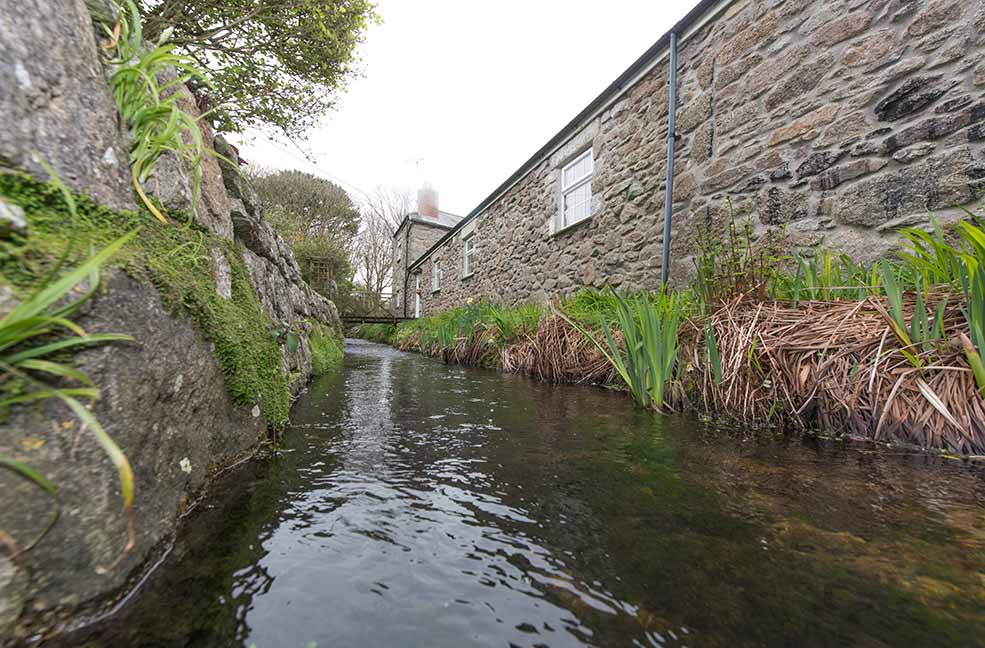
(417, 504)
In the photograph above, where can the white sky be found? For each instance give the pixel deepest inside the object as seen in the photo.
(474, 88)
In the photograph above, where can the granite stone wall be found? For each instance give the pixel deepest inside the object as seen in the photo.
(838, 121)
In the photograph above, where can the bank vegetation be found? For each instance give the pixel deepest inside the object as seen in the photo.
(890, 352)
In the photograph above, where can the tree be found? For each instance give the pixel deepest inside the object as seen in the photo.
(389, 206)
(306, 207)
(316, 217)
(382, 215)
(279, 63)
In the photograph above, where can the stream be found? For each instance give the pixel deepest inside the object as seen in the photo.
(418, 504)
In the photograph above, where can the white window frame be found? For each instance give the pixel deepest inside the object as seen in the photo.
(436, 276)
(577, 183)
(468, 254)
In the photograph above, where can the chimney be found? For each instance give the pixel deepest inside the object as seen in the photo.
(427, 202)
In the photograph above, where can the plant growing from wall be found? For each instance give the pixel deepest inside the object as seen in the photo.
(149, 105)
(33, 338)
(326, 350)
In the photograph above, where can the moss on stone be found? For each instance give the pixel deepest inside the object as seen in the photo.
(175, 258)
(326, 350)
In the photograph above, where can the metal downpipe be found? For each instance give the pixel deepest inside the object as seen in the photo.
(671, 143)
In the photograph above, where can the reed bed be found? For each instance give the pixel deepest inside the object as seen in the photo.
(839, 366)
(560, 353)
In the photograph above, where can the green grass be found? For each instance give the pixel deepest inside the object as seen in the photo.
(822, 276)
(175, 260)
(973, 343)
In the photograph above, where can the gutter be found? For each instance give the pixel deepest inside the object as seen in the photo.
(703, 13)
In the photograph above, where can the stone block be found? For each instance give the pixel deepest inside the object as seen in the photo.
(748, 116)
(695, 113)
(936, 14)
(911, 153)
(913, 95)
(841, 29)
(934, 128)
(725, 179)
(752, 37)
(844, 129)
(832, 178)
(818, 162)
(777, 206)
(940, 181)
(702, 142)
(55, 105)
(765, 75)
(804, 126)
(871, 49)
(803, 79)
(731, 73)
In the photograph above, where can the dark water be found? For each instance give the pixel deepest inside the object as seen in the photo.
(422, 505)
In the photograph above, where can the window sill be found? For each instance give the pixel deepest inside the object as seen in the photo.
(435, 292)
(568, 228)
(468, 276)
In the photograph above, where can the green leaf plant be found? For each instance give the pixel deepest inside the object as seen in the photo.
(148, 103)
(34, 338)
(648, 355)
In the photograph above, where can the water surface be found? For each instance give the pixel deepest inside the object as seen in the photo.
(416, 504)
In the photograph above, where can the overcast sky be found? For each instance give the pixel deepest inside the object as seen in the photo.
(472, 88)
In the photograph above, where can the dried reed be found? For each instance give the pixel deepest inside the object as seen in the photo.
(839, 366)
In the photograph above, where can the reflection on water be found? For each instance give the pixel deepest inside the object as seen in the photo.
(422, 505)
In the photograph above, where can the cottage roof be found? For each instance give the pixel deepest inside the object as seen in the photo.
(445, 220)
(704, 10)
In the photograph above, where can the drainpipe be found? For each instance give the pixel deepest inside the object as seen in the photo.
(671, 141)
(406, 263)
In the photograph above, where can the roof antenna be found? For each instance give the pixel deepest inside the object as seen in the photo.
(418, 163)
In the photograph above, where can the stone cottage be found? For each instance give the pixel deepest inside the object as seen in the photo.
(415, 235)
(839, 121)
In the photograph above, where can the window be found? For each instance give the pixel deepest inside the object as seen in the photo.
(468, 256)
(576, 189)
(435, 276)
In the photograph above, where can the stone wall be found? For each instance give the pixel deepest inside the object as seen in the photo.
(836, 120)
(416, 237)
(163, 398)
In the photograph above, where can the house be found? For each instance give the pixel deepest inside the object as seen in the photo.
(835, 121)
(417, 232)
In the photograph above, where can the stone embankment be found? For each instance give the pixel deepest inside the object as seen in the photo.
(164, 398)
